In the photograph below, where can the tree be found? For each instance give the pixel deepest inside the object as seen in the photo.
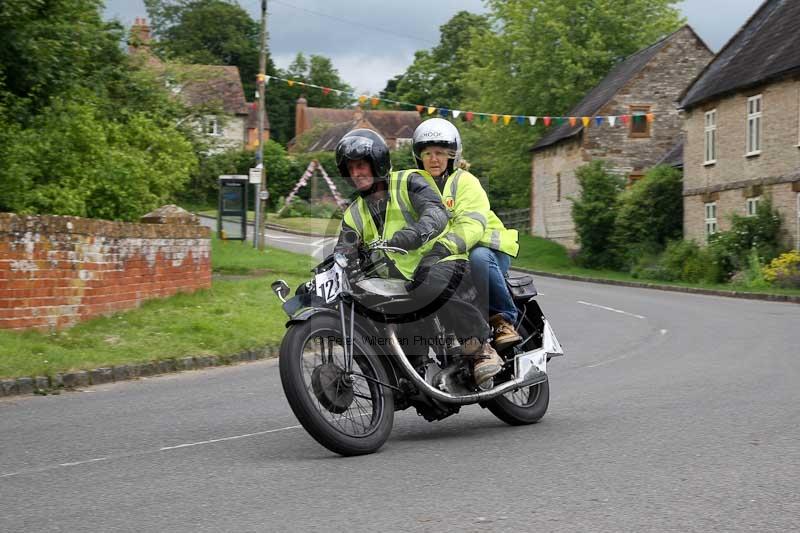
(594, 213)
(435, 76)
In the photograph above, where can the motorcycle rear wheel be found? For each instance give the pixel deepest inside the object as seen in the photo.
(523, 406)
(349, 415)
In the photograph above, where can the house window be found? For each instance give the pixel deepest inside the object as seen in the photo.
(754, 125)
(711, 218)
(639, 126)
(752, 205)
(797, 246)
(558, 186)
(710, 137)
(402, 142)
(212, 126)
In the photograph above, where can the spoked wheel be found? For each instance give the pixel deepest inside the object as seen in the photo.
(523, 406)
(348, 413)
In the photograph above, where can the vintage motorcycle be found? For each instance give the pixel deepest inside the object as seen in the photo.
(357, 349)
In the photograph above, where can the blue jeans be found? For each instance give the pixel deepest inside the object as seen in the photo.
(489, 268)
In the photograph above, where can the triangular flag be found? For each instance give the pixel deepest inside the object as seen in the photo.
(612, 120)
(420, 108)
(625, 119)
(326, 90)
(572, 121)
(585, 121)
(374, 101)
(506, 119)
(443, 112)
(456, 112)
(494, 118)
(598, 121)
(469, 116)
(532, 120)
(290, 82)
(546, 122)
(560, 120)
(362, 98)
(521, 120)
(650, 117)
(431, 110)
(483, 117)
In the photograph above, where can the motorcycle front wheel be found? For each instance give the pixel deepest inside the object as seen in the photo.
(348, 413)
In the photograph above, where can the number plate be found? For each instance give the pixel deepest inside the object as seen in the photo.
(329, 284)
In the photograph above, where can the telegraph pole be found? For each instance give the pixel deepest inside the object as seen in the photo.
(261, 202)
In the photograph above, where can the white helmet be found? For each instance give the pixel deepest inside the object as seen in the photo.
(437, 132)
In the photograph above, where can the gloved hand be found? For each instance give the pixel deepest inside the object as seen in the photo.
(438, 252)
(407, 239)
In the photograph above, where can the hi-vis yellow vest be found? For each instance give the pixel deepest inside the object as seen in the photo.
(472, 222)
(399, 214)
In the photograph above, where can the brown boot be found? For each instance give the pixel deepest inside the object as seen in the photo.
(505, 335)
(487, 363)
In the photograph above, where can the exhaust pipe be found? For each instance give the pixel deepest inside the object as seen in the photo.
(534, 376)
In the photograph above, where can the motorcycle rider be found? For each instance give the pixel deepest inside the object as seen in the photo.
(474, 227)
(404, 209)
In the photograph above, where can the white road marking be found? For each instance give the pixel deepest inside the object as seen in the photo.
(84, 462)
(187, 445)
(145, 452)
(611, 309)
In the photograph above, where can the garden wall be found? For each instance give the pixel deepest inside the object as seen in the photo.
(56, 270)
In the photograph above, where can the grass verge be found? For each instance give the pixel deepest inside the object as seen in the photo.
(231, 316)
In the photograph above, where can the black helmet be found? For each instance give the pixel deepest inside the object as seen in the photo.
(364, 144)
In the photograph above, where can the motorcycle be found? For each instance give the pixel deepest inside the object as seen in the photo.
(347, 360)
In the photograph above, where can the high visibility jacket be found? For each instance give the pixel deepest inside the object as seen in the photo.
(400, 213)
(472, 222)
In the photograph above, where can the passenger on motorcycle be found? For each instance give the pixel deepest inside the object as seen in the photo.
(403, 208)
(474, 227)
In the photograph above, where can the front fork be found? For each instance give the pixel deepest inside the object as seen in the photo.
(347, 340)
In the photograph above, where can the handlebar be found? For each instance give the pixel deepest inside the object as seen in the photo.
(380, 244)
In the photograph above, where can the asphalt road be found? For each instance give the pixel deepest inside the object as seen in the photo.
(317, 247)
(670, 412)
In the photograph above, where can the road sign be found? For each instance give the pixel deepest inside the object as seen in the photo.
(263, 195)
(255, 175)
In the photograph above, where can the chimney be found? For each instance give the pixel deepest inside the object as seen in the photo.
(140, 36)
(300, 116)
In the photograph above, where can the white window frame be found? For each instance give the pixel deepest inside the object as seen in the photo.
(754, 128)
(710, 137)
(751, 206)
(211, 126)
(710, 210)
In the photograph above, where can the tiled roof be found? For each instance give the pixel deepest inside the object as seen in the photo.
(212, 85)
(394, 123)
(390, 124)
(766, 47)
(604, 91)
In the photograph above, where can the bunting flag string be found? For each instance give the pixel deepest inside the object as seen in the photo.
(471, 116)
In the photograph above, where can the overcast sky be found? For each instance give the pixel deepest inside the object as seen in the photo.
(371, 41)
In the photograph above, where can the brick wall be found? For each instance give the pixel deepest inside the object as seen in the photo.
(775, 172)
(55, 271)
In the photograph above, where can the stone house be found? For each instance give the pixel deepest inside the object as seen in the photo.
(647, 82)
(328, 125)
(742, 127)
(214, 91)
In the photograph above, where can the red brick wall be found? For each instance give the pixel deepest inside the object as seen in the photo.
(55, 271)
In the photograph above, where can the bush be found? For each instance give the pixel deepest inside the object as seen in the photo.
(302, 208)
(784, 271)
(594, 213)
(681, 261)
(731, 249)
(650, 214)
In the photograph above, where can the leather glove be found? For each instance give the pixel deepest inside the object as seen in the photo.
(407, 239)
(438, 252)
